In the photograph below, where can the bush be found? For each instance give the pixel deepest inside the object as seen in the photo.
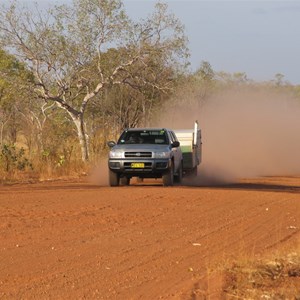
(14, 159)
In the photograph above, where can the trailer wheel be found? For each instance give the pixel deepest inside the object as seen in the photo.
(168, 178)
(114, 178)
(194, 172)
(125, 180)
(178, 177)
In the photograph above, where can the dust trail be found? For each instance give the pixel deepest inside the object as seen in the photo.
(99, 174)
(245, 134)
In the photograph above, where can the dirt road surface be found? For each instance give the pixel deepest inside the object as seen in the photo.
(77, 240)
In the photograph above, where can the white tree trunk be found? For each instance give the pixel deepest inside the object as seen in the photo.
(82, 136)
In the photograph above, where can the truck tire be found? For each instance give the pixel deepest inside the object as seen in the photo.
(168, 178)
(178, 177)
(125, 180)
(114, 178)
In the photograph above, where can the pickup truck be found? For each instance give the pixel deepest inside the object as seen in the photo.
(145, 153)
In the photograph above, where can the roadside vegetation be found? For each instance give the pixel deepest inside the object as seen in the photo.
(274, 276)
(277, 278)
(74, 76)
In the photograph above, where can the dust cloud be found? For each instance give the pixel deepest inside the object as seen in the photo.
(99, 174)
(245, 134)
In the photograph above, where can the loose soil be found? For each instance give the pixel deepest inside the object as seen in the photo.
(63, 240)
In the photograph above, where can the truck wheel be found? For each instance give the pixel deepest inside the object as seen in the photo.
(178, 177)
(114, 178)
(125, 180)
(168, 178)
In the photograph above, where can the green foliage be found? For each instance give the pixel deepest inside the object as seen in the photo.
(58, 140)
(15, 90)
(14, 159)
(205, 72)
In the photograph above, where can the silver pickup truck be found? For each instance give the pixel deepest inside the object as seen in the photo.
(145, 153)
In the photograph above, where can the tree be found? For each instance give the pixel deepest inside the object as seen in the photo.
(132, 104)
(279, 79)
(64, 48)
(204, 78)
(12, 74)
(205, 72)
(233, 79)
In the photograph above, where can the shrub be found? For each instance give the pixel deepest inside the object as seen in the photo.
(14, 159)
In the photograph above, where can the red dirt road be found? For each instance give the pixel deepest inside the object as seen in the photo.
(77, 240)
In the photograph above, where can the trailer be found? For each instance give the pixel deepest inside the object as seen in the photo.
(191, 148)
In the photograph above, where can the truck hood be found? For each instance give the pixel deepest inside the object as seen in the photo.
(141, 148)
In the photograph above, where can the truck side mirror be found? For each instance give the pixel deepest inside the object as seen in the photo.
(175, 144)
(111, 144)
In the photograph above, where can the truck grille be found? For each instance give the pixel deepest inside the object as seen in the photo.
(138, 154)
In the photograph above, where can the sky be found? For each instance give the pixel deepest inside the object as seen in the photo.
(259, 38)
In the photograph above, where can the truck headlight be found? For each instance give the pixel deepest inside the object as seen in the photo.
(115, 154)
(161, 154)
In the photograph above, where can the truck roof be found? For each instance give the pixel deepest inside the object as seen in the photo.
(146, 129)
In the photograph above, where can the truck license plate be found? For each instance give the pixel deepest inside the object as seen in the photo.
(137, 165)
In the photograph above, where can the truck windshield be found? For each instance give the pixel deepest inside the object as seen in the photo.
(144, 137)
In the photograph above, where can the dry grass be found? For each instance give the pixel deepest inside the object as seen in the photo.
(45, 171)
(277, 279)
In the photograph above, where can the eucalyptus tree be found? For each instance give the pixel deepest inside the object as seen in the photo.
(64, 48)
(15, 84)
(204, 79)
(132, 103)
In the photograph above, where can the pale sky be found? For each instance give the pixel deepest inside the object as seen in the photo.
(260, 38)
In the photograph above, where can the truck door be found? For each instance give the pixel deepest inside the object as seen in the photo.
(176, 151)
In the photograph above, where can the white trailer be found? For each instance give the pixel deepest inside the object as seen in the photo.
(191, 147)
